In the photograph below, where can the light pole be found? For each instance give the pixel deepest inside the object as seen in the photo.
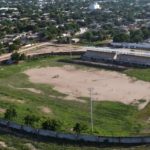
(91, 108)
(70, 49)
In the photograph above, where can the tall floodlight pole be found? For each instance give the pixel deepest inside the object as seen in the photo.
(91, 108)
(70, 49)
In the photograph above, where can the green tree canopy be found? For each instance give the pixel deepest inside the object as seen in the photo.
(53, 124)
(30, 119)
(79, 127)
(10, 113)
(121, 37)
(16, 57)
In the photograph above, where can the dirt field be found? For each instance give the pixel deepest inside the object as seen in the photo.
(45, 47)
(55, 48)
(107, 85)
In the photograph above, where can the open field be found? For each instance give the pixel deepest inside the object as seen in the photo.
(76, 83)
(43, 100)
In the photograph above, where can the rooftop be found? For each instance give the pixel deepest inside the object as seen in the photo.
(120, 51)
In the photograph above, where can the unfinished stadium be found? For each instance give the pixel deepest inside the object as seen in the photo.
(118, 56)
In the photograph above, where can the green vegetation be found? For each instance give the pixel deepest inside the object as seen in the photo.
(36, 21)
(10, 114)
(110, 118)
(78, 128)
(53, 125)
(134, 36)
(141, 74)
(30, 120)
(143, 115)
(17, 57)
(12, 142)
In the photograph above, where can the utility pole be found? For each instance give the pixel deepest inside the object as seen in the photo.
(70, 48)
(91, 108)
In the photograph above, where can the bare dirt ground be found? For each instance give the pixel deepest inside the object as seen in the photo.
(55, 48)
(2, 110)
(2, 144)
(45, 109)
(107, 85)
(45, 47)
(31, 90)
(28, 89)
(30, 146)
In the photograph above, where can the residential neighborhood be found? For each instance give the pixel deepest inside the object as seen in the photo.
(88, 22)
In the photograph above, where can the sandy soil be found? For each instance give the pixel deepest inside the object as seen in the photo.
(2, 144)
(30, 146)
(45, 109)
(107, 85)
(28, 89)
(31, 90)
(45, 47)
(55, 48)
(2, 110)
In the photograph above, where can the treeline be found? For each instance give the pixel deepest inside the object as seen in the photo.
(45, 123)
(134, 36)
(10, 47)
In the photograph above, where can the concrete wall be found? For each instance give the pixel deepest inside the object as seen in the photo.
(134, 59)
(73, 137)
(116, 58)
(94, 55)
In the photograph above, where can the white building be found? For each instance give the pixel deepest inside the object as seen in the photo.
(94, 6)
(7, 8)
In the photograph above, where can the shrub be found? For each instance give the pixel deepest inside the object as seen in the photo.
(16, 57)
(30, 119)
(10, 113)
(78, 128)
(53, 124)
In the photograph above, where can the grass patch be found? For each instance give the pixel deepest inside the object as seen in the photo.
(110, 118)
(141, 74)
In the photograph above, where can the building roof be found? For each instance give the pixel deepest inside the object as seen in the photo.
(120, 51)
(134, 45)
(94, 6)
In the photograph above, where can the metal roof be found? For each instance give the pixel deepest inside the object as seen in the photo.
(120, 51)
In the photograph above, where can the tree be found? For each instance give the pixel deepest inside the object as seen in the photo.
(78, 128)
(1, 48)
(88, 36)
(53, 124)
(16, 57)
(121, 37)
(22, 56)
(146, 32)
(30, 120)
(15, 46)
(10, 113)
(136, 36)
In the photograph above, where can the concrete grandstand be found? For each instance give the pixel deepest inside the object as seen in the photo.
(118, 56)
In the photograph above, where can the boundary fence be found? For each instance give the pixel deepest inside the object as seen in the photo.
(137, 140)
